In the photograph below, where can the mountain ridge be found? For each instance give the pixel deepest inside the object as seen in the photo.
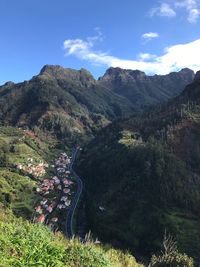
(144, 171)
(141, 169)
(67, 102)
(140, 88)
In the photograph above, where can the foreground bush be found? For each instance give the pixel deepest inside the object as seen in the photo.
(24, 244)
(174, 259)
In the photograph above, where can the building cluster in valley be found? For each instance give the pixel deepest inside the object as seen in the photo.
(35, 169)
(55, 192)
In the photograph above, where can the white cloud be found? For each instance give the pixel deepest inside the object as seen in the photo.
(174, 57)
(193, 15)
(150, 35)
(169, 8)
(164, 10)
(146, 56)
(192, 7)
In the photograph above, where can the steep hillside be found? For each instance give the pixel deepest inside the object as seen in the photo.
(73, 106)
(66, 102)
(24, 158)
(142, 176)
(25, 244)
(141, 89)
(139, 171)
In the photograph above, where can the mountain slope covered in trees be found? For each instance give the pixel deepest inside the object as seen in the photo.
(68, 103)
(141, 89)
(72, 105)
(139, 180)
(142, 176)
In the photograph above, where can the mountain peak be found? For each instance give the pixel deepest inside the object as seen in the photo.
(197, 76)
(50, 69)
(136, 74)
(186, 70)
(141, 88)
(60, 73)
(9, 83)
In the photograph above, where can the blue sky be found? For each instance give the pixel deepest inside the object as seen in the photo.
(151, 35)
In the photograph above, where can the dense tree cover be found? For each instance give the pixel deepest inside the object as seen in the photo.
(144, 188)
(141, 89)
(144, 172)
(137, 180)
(69, 104)
(73, 106)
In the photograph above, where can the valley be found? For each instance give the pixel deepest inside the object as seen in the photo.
(100, 133)
(136, 174)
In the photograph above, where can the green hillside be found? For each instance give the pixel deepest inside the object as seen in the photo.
(141, 170)
(73, 106)
(143, 90)
(24, 244)
(67, 103)
(142, 176)
(20, 152)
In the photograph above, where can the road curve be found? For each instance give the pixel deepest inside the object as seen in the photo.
(72, 208)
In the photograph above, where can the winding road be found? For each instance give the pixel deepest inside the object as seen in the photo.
(72, 208)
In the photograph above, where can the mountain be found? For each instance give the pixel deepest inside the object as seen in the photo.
(72, 105)
(142, 177)
(141, 171)
(66, 102)
(141, 89)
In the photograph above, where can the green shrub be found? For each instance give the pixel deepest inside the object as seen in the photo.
(121, 259)
(175, 259)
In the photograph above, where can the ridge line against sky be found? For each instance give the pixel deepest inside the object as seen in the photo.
(174, 58)
(157, 36)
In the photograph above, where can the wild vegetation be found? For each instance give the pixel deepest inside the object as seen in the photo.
(25, 244)
(144, 172)
(141, 173)
(170, 257)
(66, 103)
(22, 163)
(143, 90)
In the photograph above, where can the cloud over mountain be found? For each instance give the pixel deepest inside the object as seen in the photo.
(173, 58)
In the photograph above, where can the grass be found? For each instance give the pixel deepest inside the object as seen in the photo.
(25, 244)
(16, 191)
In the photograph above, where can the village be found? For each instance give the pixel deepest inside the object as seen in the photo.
(37, 170)
(56, 193)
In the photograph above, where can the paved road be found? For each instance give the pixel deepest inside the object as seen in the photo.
(72, 208)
